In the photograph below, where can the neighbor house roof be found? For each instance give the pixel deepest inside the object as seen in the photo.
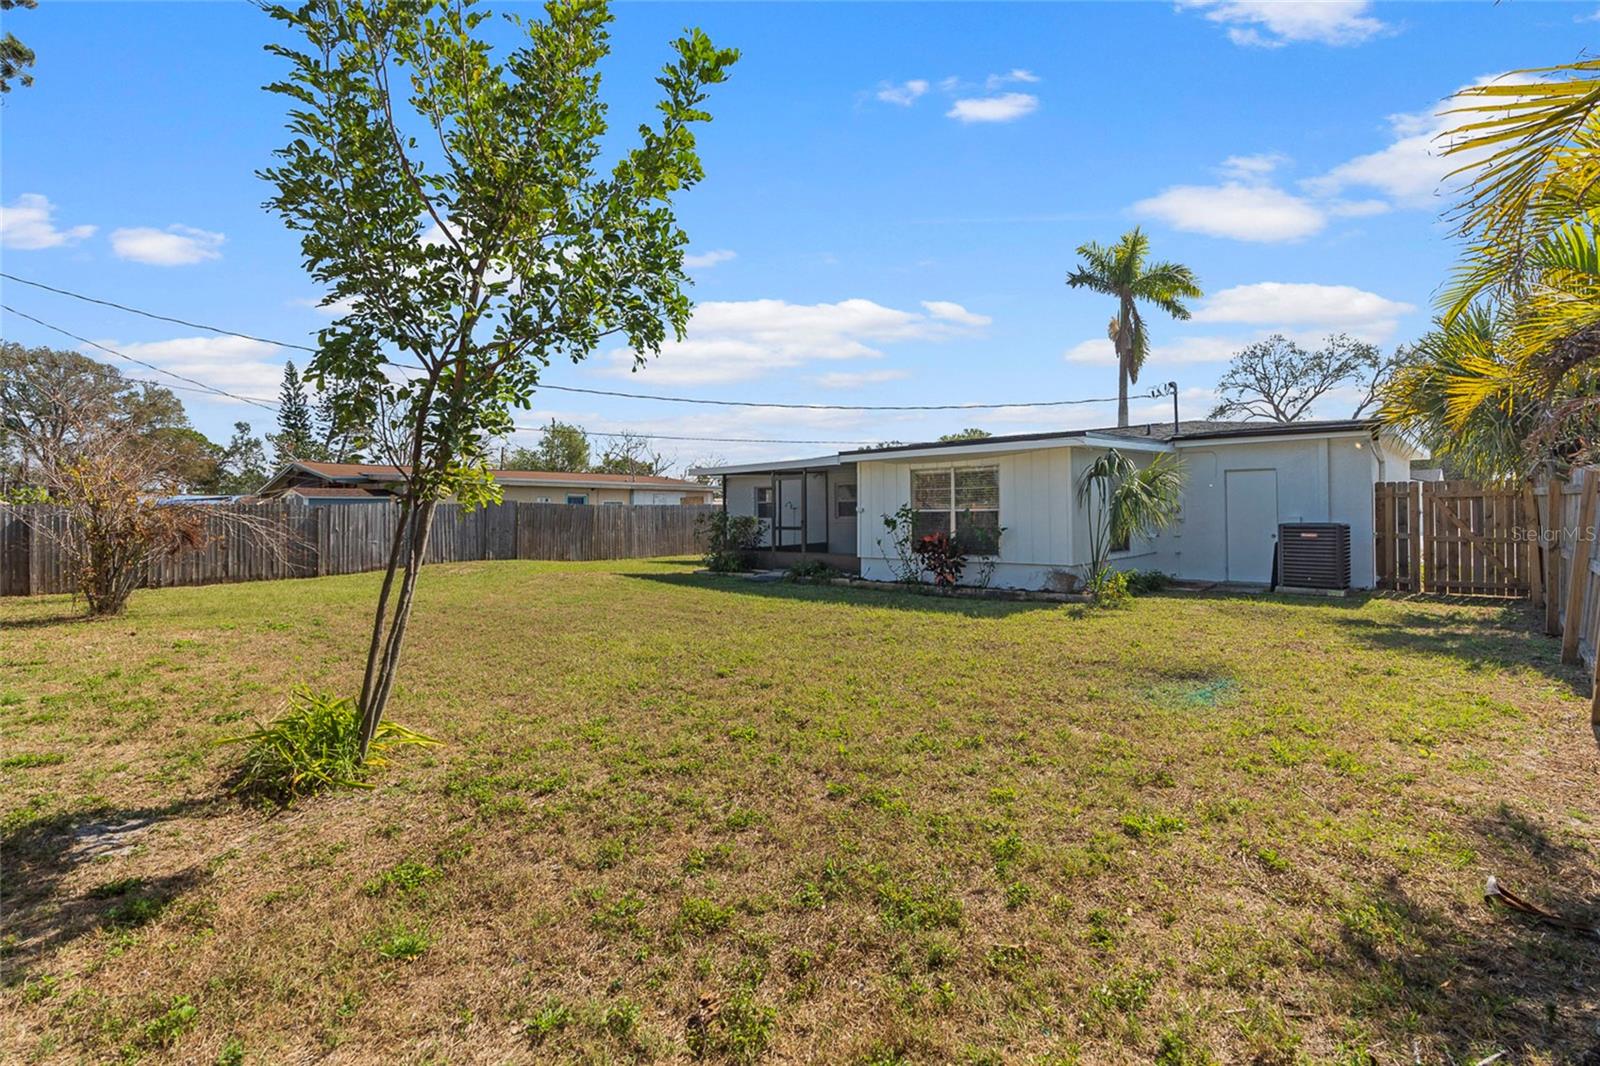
(333, 492)
(380, 473)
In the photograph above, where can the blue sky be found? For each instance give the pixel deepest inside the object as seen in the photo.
(892, 200)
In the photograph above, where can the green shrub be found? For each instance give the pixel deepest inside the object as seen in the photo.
(1142, 581)
(729, 540)
(810, 570)
(1109, 587)
(315, 745)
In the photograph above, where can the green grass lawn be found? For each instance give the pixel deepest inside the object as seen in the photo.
(679, 816)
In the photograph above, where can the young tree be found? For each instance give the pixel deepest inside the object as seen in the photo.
(967, 434)
(630, 453)
(297, 434)
(469, 264)
(1276, 380)
(1125, 500)
(1121, 272)
(564, 447)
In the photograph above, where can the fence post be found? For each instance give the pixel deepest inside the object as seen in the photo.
(1577, 578)
(1531, 525)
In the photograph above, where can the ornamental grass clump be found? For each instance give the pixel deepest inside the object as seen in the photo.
(316, 745)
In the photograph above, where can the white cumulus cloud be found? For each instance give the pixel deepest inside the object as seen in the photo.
(246, 367)
(174, 246)
(29, 225)
(1004, 107)
(709, 259)
(904, 93)
(954, 312)
(738, 340)
(1287, 305)
(1274, 23)
(1242, 211)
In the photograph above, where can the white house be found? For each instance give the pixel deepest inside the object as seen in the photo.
(1240, 480)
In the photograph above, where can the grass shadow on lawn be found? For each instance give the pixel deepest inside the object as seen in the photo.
(1471, 978)
(853, 597)
(41, 852)
(1510, 640)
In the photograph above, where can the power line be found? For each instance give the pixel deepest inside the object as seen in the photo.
(831, 406)
(574, 388)
(152, 314)
(708, 440)
(264, 404)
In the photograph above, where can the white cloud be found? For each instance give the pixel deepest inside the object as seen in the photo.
(1182, 352)
(847, 379)
(173, 246)
(709, 259)
(1016, 74)
(954, 312)
(904, 93)
(1286, 305)
(1006, 107)
(28, 225)
(1252, 167)
(1274, 23)
(1245, 212)
(250, 368)
(744, 339)
(325, 306)
(1413, 169)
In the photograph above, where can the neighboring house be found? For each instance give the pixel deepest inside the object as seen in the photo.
(347, 482)
(1241, 479)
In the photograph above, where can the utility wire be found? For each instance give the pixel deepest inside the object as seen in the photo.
(574, 388)
(152, 314)
(830, 406)
(264, 404)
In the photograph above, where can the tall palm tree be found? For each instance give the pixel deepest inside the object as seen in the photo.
(1121, 271)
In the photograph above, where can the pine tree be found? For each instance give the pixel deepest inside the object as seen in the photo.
(296, 437)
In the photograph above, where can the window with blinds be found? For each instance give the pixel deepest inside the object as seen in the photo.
(962, 501)
(763, 503)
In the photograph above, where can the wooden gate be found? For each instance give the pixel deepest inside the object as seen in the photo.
(1463, 538)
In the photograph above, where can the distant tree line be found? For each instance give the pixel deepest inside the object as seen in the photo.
(55, 401)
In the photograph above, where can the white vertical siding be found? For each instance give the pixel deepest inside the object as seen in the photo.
(1035, 511)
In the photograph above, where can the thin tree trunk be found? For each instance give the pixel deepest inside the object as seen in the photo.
(396, 546)
(384, 679)
(1122, 389)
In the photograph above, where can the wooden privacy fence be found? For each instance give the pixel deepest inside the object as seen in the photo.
(1456, 538)
(1536, 540)
(269, 541)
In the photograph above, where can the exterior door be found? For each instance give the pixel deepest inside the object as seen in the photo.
(788, 512)
(1252, 524)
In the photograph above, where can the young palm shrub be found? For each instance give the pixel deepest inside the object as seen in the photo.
(314, 745)
(1124, 501)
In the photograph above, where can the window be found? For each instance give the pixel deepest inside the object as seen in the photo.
(764, 503)
(578, 498)
(1121, 544)
(962, 501)
(844, 501)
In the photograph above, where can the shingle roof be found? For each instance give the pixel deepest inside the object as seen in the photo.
(1190, 429)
